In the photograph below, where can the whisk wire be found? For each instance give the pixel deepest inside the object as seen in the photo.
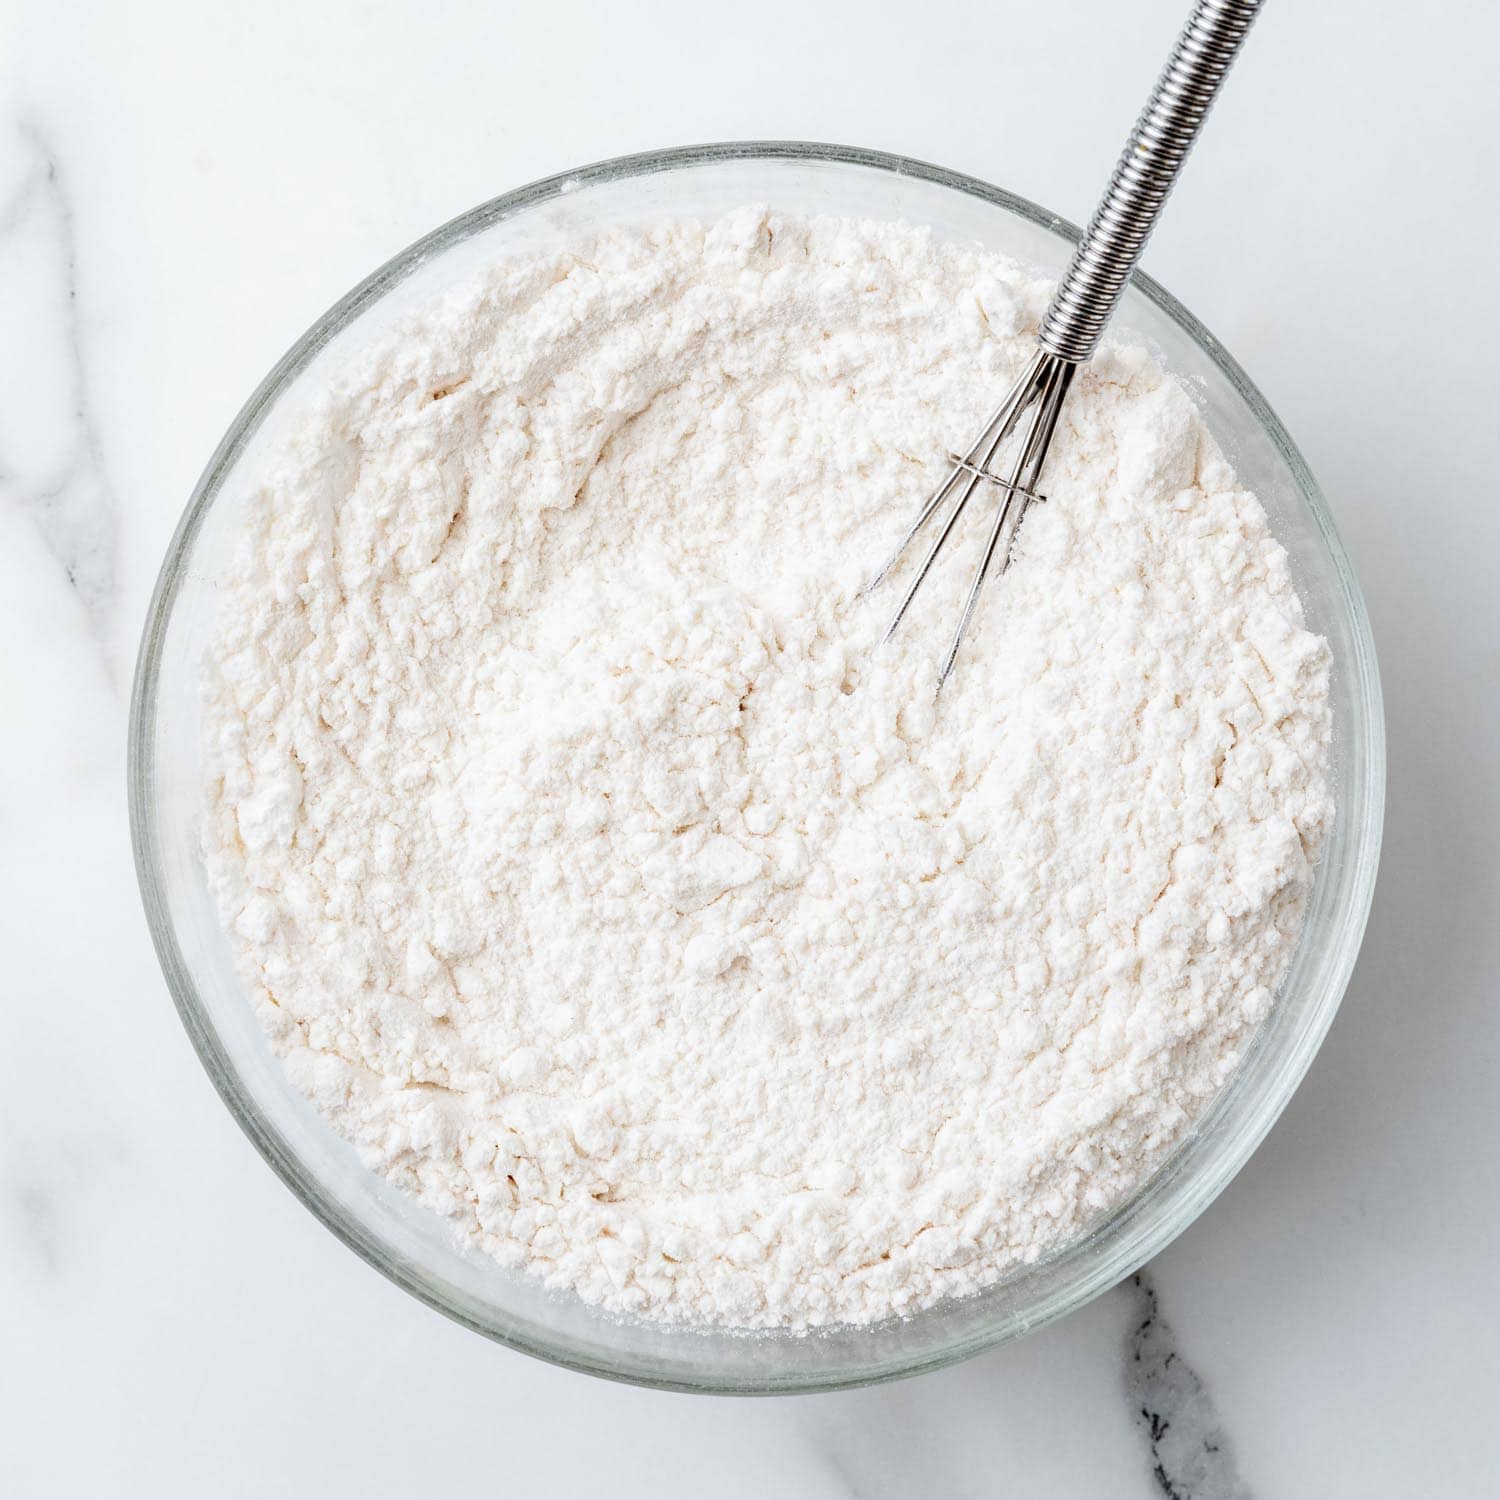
(1040, 392)
(1020, 490)
(978, 457)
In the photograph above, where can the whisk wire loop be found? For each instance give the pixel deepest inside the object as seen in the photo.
(1020, 490)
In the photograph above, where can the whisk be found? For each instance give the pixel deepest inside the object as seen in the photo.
(1083, 304)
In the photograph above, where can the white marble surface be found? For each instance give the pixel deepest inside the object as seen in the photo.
(182, 189)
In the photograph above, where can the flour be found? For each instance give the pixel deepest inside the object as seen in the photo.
(603, 882)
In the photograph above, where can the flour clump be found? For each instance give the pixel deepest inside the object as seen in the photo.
(609, 890)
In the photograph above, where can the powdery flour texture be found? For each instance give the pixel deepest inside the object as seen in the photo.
(607, 887)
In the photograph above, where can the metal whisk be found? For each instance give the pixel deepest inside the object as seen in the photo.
(1085, 300)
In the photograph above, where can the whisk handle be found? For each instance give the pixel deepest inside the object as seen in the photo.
(1148, 167)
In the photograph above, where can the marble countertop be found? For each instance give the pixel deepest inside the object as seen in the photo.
(182, 189)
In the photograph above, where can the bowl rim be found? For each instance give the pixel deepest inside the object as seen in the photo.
(210, 1048)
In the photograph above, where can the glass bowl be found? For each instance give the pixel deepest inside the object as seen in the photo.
(411, 1245)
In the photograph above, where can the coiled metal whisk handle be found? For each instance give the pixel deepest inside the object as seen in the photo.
(1147, 169)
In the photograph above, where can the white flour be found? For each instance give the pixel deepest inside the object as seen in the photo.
(605, 885)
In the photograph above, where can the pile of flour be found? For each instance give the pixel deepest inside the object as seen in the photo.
(608, 888)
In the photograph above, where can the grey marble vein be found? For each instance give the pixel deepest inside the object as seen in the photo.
(1191, 1458)
(37, 1218)
(66, 491)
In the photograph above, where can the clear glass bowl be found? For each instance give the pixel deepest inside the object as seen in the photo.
(412, 1246)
